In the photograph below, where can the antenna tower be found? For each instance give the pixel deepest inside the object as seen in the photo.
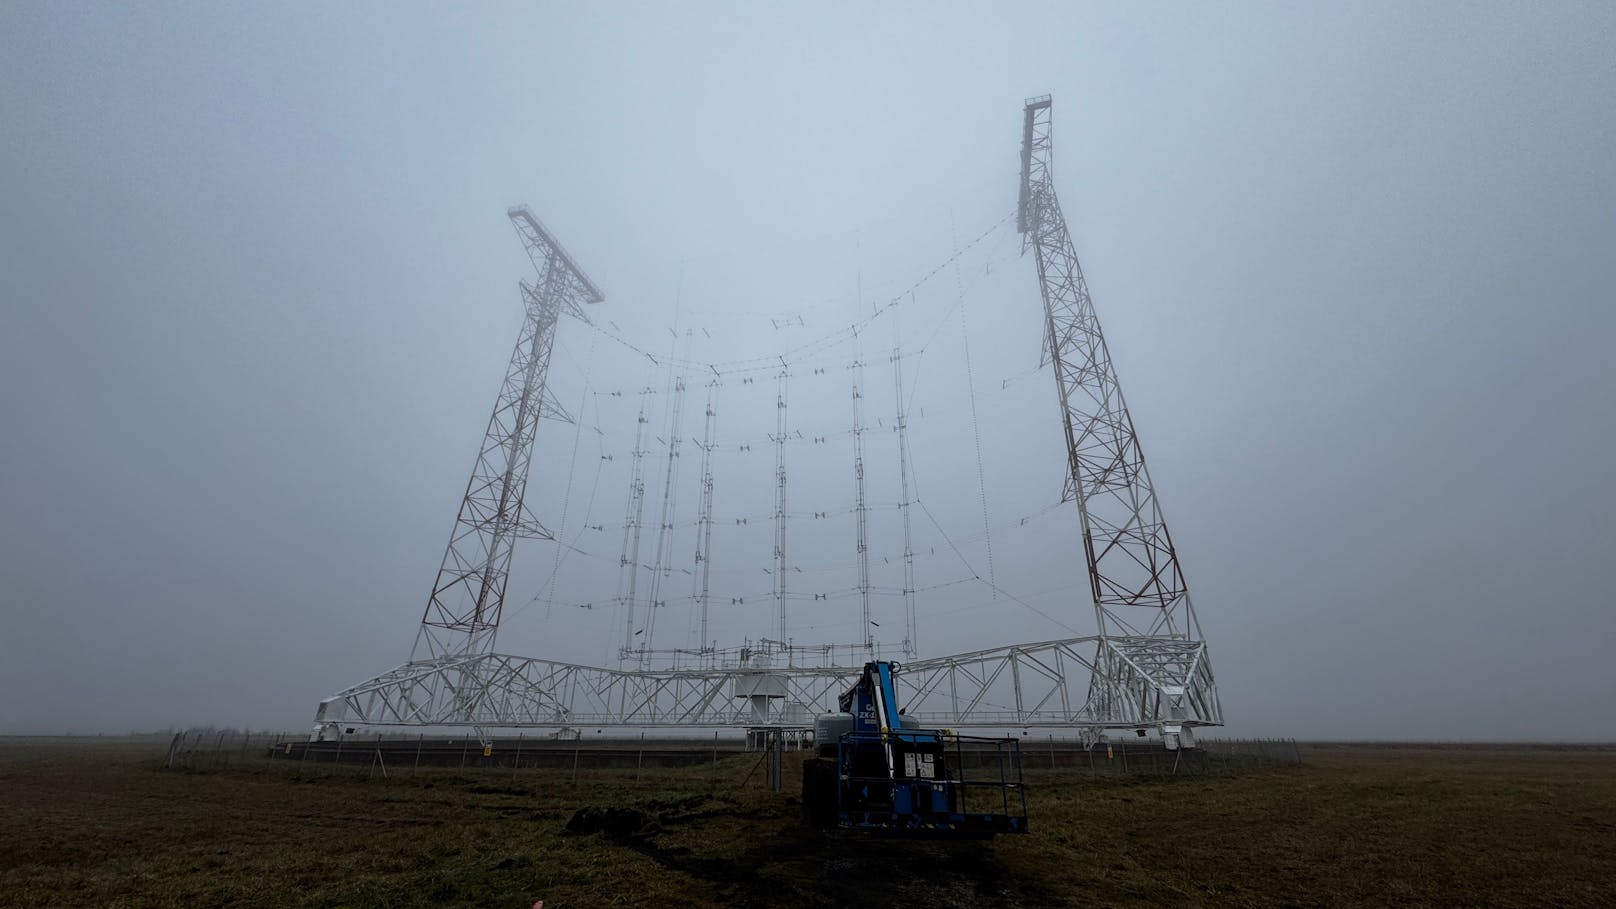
(902, 428)
(704, 522)
(859, 508)
(462, 614)
(780, 500)
(664, 556)
(1147, 667)
(1151, 665)
(629, 562)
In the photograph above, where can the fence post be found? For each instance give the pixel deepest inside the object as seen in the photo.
(518, 762)
(1051, 751)
(1004, 788)
(418, 737)
(777, 747)
(577, 746)
(641, 762)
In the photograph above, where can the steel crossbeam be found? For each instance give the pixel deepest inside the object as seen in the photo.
(1017, 686)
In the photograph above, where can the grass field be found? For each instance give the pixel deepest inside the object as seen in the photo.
(96, 823)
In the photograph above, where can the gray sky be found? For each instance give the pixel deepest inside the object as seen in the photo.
(257, 290)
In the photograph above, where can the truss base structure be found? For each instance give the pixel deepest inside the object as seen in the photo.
(1141, 685)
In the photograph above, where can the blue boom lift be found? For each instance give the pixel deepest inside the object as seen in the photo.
(875, 769)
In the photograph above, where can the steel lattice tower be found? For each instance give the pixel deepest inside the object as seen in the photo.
(462, 615)
(1151, 667)
(1145, 669)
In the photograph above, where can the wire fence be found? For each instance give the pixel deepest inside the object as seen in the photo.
(618, 761)
(221, 749)
(1255, 752)
(1149, 756)
(646, 758)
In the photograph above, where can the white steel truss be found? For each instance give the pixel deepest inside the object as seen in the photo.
(1043, 684)
(462, 615)
(1147, 669)
(1151, 666)
(1020, 685)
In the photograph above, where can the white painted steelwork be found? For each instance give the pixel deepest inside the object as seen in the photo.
(1146, 669)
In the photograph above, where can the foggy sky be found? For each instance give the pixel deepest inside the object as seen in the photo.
(1355, 266)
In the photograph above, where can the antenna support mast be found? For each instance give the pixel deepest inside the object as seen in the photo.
(1151, 668)
(462, 614)
(704, 547)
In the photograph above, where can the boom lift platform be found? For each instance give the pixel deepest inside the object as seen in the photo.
(875, 769)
